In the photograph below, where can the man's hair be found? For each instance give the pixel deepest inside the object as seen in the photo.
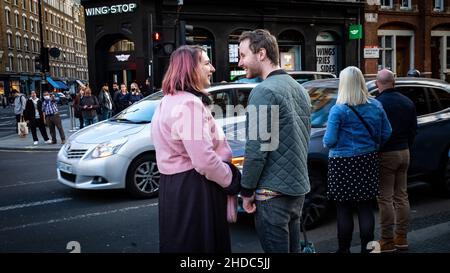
(261, 38)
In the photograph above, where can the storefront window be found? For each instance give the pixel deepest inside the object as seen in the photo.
(327, 53)
(233, 54)
(290, 45)
(15, 85)
(2, 88)
(122, 45)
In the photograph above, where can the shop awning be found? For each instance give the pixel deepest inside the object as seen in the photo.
(57, 84)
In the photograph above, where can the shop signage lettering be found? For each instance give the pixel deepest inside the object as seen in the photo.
(326, 58)
(105, 10)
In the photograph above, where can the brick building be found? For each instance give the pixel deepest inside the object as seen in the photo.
(409, 34)
(20, 43)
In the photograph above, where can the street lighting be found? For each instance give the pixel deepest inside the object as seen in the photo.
(43, 56)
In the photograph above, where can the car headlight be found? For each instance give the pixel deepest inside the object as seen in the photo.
(108, 148)
(238, 162)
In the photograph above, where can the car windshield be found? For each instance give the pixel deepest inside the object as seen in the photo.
(322, 99)
(140, 112)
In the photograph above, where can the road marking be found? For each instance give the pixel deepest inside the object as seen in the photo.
(33, 204)
(20, 183)
(77, 217)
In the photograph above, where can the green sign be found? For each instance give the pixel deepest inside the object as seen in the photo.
(355, 32)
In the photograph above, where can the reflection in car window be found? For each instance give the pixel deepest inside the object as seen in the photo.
(439, 99)
(222, 99)
(242, 96)
(322, 99)
(140, 112)
(417, 95)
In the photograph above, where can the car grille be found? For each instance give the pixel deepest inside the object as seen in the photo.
(68, 176)
(75, 153)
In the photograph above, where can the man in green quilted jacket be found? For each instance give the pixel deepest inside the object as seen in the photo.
(275, 174)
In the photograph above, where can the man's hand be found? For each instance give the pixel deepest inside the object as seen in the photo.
(248, 203)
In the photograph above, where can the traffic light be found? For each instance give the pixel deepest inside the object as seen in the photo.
(156, 40)
(45, 60)
(185, 32)
(37, 63)
(41, 62)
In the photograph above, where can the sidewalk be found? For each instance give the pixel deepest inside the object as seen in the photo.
(14, 142)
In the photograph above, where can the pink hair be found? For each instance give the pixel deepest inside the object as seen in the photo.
(183, 72)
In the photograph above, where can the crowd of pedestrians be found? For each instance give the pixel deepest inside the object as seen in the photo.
(87, 108)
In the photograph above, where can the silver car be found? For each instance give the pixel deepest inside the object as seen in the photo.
(119, 154)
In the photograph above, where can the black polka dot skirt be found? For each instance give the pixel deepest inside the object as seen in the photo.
(354, 178)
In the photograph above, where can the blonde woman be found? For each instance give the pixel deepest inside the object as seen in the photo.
(136, 94)
(357, 127)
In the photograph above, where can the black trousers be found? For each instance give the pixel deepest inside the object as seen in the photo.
(37, 123)
(345, 226)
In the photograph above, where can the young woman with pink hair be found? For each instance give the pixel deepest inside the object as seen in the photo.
(197, 182)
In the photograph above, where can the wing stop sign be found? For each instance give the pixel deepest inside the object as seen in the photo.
(355, 32)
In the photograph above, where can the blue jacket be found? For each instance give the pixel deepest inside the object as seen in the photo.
(347, 136)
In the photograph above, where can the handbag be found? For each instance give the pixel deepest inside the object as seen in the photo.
(22, 127)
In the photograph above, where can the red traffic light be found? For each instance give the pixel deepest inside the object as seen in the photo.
(156, 36)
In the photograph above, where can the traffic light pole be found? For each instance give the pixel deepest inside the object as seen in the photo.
(41, 40)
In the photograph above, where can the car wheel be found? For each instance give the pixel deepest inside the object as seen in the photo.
(316, 201)
(143, 177)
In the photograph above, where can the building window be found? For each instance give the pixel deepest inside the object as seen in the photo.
(16, 18)
(19, 64)
(290, 46)
(8, 17)
(386, 50)
(18, 43)
(438, 5)
(25, 44)
(31, 26)
(9, 40)
(27, 65)
(24, 4)
(11, 63)
(386, 3)
(24, 22)
(122, 45)
(405, 4)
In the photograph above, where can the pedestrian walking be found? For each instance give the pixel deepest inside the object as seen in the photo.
(106, 104)
(148, 89)
(35, 118)
(19, 106)
(52, 117)
(193, 158)
(357, 127)
(393, 200)
(274, 192)
(76, 107)
(89, 105)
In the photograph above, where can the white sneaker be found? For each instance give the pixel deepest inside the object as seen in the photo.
(35, 143)
(48, 141)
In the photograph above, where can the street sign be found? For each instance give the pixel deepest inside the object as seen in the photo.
(371, 53)
(355, 32)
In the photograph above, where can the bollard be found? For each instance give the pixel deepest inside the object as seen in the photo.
(72, 118)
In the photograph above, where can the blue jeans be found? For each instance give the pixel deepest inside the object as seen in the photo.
(277, 222)
(89, 121)
(106, 114)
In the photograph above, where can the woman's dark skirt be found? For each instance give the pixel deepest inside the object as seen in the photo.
(192, 215)
(354, 178)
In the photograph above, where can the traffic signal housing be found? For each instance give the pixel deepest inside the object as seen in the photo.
(185, 32)
(41, 62)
